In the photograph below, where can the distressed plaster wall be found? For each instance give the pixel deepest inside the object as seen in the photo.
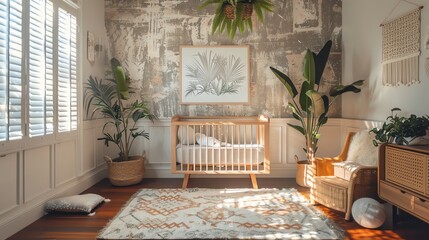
(146, 35)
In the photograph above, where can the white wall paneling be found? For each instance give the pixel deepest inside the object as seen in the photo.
(9, 182)
(65, 162)
(37, 172)
(89, 151)
(33, 175)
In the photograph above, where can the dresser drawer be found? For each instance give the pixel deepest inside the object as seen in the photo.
(421, 208)
(407, 168)
(395, 196)
(406, 201)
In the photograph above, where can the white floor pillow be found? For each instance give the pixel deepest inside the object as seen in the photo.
(84, 203)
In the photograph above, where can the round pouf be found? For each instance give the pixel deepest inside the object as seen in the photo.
(368, 213)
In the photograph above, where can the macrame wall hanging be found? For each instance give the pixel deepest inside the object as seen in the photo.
(401, 49)
(427, 54)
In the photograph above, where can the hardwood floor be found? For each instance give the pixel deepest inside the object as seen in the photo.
(69, 226)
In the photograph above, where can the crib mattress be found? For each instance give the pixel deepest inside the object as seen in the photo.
(231, 154)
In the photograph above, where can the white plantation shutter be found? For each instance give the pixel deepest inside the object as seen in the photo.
(40, 68)
(67, 76)
(10, 70)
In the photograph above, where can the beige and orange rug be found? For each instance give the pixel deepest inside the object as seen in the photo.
(214, 213)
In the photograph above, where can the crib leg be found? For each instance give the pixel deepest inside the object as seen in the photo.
(254, 182)
(185, 181)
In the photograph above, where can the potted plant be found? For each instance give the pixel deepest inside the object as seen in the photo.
(401, 130)
(231, 15)
(310, 106)
(110, 99)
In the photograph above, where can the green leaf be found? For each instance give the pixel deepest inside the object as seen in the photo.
(286, 82)
(249, 24)
(317, 102)
(121, 82)
(233, 29)
(304, 100)
(293, 108)
(298, 128)
(323, 119)
(216, 21)
(309, 68)
(326, 102)
(338, 90)
(296, 116)
(241, 25)
(223, 26)
(321, 60)
(259, 13)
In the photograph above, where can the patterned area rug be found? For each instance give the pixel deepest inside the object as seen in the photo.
(219, 213)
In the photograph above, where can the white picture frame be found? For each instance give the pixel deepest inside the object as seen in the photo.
(214, 74)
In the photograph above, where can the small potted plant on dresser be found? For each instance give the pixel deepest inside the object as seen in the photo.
(111, 99)
(402, 130)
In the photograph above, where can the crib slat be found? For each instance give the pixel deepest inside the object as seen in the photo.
(233, 146)
(181, 150)
(244, 145)
(238, 151)
(251, 147)
(200, 128)
(257, 148)
(207, 151)
(219, 153)
(193, 148)
(213, 158)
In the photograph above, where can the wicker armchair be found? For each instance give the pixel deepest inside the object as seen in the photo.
(338, 193)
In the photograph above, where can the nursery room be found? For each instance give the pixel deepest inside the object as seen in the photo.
(214, 119)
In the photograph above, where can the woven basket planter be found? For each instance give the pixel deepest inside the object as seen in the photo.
(125, 173)
(305, 174)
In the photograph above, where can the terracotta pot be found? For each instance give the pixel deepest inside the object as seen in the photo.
(127, 172)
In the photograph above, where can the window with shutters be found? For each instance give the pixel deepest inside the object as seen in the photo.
(38, 68)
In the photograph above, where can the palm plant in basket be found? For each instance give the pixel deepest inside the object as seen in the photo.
(110, 99)
(233, 15)
(309, 106)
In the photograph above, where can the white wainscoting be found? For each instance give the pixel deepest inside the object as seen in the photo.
(35, 171)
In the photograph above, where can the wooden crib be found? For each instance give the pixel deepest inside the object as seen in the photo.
(220, 145)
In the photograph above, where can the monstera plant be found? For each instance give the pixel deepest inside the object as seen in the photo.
(308, 105)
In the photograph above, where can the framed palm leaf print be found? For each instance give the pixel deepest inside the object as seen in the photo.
(214, 74)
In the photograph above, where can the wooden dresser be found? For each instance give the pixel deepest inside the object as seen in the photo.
(403, 178)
